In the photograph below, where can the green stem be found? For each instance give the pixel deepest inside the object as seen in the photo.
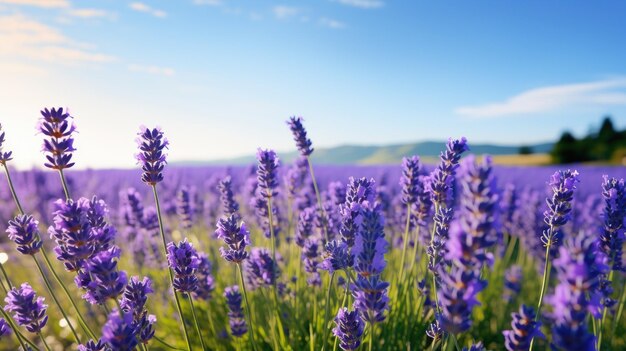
(371, 343)
(6, 277)
(544, 284)
(81, 320)
(44, 341)
(12, 188)
(51, 291)
(319, 198)
(327, 311)
(248, 308)
(620, 308)
(66, 189)
(169, 270)
(274, 268)
(195, 320)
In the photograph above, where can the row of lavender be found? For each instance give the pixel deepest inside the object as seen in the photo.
(411, 258)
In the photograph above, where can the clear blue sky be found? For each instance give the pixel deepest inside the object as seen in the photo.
(222, 76)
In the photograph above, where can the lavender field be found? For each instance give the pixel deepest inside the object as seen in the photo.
(458, 255)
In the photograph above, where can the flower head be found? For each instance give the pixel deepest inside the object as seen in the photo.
(336, 256)
(101, 277)
(57, 125)
(299, 135)
(205, 278)
(348, 329)
(457, 297)
(442, 178)
(267, 172)
(151, 154)
(229, 204)
(235, 313)
(410, 180)
(119, 331)
(183, 259)
(235, 236)
(4, 155)
(184, 208)
(563, 184)
(261, 269)
(525, 328)
(24, 232)
(5, 329)
(28, 309)
(612, 234)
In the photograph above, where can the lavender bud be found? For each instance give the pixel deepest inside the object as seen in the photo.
(28, 309)
(349, 329)
(58, 126)
(23, 231)
(151, 144)
(183, 260)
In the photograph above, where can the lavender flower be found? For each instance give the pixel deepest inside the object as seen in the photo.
(5, 156)
(358, 191)
(304, 229)
(299, 135)
(235, 313)
(133, 211)
(612, 234)
(512, 282)
(410, 181)
(267, 172)
(58, 126)
(349, 329)
(28, 309)
(261, 269)
(235, 236)
(134, 302)
(119, 331)
(310, 259)
(205, 278)
(475, 347)
(183, 208)
(457, 298)
(563, 184)
(94, 346)
(434, 331)
(442, 178)
(230, 205)
(183, 259)
(370, 291)
(101, 278)
(336, 256)
(24, 232)
(5, 329)
(151, 144)
(524, 330)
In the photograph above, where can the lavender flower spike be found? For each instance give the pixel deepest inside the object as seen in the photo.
(58, 126)
(5, 156)
(94, 346)
(183, 208)
(151, 154)
(336, 256)
(563, 184)
(183, 259)
(229, 203)
(5, 329)
(267, 172)
(235, 313)
(349, 329)
(442, 178)
(28, 309)
(299, 135)
(235, 236)
(23, 231)
(119, 332)
(410, 181)
(612, 234)
(524, 329)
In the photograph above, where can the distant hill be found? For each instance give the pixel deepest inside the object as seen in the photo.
(371, 154)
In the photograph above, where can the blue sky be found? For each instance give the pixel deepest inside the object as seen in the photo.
(221, 76)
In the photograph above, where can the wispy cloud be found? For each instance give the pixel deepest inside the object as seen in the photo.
(331, 23)
(23, 37)
(553, 98)
(151, 69)
(363, 4)
(90, 13)
(208, 2)
(284, 12)
(141, 7)
(38, 3)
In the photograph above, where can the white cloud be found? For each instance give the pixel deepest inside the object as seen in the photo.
(331, 23)
(363, 4)
(553, 98)
(90, 13)
(208, 2)
(151, 69)
(141, 7)
(22, 37)
(284, 12)
(38, 3)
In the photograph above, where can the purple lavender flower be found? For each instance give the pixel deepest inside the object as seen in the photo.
(101, 278)
(183, 259)
(5, 156)
(205, 278)
(296, 176)
(512, 282)
(524, 329)
(457, 298)
(437, 249)
(94, 346)
(336, 256)
(349, 329)
(612, 234)
(370, 291)
(235, 236)
(132, 210)
(563, 184)
(151, 144)
(119, 331)
(134, 302)
(475, 347)
(183, 208)
(299, 135)
(229, 204)
(260, 203)
(410, 181)
(358, 191)
(24, 232)
(304, 229)
(28, 309)
(442, 178)
(267, 172)
(310, 258)
(434, 331)
(58, 126)
(261, 269)
(5, 329)
(235, 313)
